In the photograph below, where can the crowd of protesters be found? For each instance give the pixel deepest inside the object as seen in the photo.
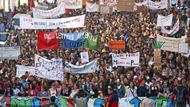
(147, 80)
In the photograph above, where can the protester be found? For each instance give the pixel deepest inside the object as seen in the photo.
(168, 79)
(112, 100)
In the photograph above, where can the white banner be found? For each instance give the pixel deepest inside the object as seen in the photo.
(84, 57)
(126, 59)
(91, 7)
(9, 52)
(173, 44)
(173, 31)
(69, 22)
(86, 68)
(52, 13)
(21, 70)
(163, 4)
(49, 69)
(164, 20)
(73, 4)
(186, 54)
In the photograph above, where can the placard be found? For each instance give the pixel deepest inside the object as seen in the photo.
(117, 44)
(126, 59)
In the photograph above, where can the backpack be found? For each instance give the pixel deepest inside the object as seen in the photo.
(180, 98)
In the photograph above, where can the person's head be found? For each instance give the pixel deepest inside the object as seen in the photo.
(131, 85)
(110, 90)
(179, 82)
(118, 82)
(81, 93)
(27, 74)
(53, 99)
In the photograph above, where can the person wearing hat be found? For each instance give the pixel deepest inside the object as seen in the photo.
(112, 100)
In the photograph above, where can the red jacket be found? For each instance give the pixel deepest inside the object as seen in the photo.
(112, 101)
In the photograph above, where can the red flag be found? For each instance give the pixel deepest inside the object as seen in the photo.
(47, 40)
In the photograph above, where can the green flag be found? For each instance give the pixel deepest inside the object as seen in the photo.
(157, 45)
(91, 42)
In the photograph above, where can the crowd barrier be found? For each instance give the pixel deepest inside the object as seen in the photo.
(62, 101)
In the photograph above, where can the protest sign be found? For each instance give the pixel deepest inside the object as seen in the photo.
(173, 31)
(49, 69)
(164, 20)
(163, 4)
(9, 52)
(157, 57)
(92, 7)
(126, 59)
(142, 9)
(52, 13)
(21, 70)
(84, 57)
(72, 40)
(91, 41)
(69, 22)
(47, 40)
(172, 44)
(86, 68)
(186, 54)
(126, 5)
(106, 9)
(117, 44)
(72, 4)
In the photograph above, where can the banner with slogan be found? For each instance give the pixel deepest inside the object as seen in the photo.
(173, 31)
(92, 7)
(69, 22)
(72, 40)
(21, 70)
(32, 101)
(116, 44)
(91, 41)
(83, 69)
(63, 101)
(84, 57)
(163, 4)
(52, 13)
(173, 44)
(126, 5)
(47, 40)
(126, 59)
(164, 20)
(9, 52)
(49, 69)
(72, 4)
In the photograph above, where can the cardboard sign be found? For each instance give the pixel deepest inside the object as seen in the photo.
(142, 9)
(117, 44)
(126, 5)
